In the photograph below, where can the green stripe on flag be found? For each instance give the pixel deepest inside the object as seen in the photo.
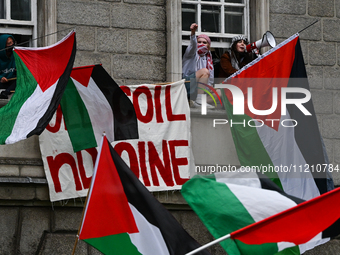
(290, 251)
(26, 85)
(228, 212)
(114, 244)
(77, 119)
(249, 147)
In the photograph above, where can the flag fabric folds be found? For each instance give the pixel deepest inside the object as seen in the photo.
(286, 143)
(161, 157)
(228, 202)
(122, 217)
(301, 218)
(42, 75)
(92, 104)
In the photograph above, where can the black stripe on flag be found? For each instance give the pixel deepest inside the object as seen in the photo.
(58, 93)
(307, 134)
(125, 119)
(266, 183)
(178, 241)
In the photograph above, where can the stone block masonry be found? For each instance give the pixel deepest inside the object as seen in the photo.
(320, 44)
(127, 37)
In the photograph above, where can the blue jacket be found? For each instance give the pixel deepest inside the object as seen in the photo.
(7, 64)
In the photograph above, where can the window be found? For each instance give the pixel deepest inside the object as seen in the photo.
(19, 18)
(221, 20)
(253, 16)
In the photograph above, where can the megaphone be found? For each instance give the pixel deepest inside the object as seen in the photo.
(267, 40)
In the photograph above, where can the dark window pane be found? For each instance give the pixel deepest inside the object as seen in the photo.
(234, 20)
(188, 16)
(210, 18)
(2, 9)
(23, 40)
(21, 9)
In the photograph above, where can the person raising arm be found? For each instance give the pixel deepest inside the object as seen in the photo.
(197, 66)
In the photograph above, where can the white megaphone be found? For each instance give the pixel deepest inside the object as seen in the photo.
(267, 40)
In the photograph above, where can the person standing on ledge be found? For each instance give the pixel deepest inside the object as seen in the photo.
(198, 68)
(7, 65)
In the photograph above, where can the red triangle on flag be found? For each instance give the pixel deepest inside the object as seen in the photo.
(271, 71)
(297, 225)
(49, 63)
(107, 211)
(82, 74)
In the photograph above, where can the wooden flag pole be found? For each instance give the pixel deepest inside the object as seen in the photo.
(209, 244)
(81, 222)
(86, 200)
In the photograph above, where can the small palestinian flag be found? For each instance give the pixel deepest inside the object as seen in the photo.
(229, 202)
(93, 103)
(42, 75)
(121, 217)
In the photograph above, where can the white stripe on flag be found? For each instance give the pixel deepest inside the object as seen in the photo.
(30, 113)
(249, 179)
(273, 201)
(99, 109)
(149, 240)
(284, 151)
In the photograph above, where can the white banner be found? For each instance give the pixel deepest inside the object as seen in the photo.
(161, 158)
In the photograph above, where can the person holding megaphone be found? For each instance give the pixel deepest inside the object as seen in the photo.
(236, 57)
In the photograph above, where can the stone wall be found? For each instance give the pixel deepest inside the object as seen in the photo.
(35, 226)
(127, 37)
(320, 46)
(31, 224)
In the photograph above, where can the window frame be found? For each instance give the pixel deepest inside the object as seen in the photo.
(22, 27)
(259, 24)
(222, 35)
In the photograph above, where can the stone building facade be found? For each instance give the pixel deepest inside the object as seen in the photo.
(138, 41)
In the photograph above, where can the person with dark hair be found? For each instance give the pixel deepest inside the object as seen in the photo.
(236, 57)
(7, 66)
(198, 68)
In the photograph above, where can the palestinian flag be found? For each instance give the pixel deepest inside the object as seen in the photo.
(227, 202)
(282, 142)
(122, 217)
(92, 104)
(42, 75)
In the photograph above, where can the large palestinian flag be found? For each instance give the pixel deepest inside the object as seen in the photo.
(121, 217)
(42, 75)
(228, 202)
(93, 104)
(284, 143)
